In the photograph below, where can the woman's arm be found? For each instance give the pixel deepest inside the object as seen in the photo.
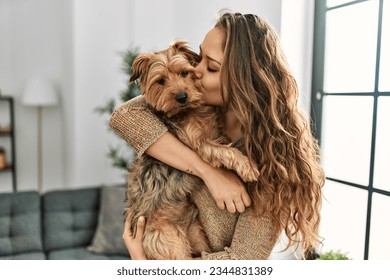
(253, 239)
(145, 132)
(225, 186)
(135, 123)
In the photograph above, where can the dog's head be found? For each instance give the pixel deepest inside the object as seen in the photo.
(168, 78)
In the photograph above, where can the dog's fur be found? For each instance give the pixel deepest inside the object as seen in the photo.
(158, 191)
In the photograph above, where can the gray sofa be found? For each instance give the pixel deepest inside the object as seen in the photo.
(61, 225)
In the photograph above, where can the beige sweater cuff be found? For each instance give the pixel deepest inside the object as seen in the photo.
(137, 124)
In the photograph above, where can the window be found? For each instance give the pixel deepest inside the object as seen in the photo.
(351, 113)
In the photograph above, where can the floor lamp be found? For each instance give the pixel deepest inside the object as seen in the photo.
(39, 92)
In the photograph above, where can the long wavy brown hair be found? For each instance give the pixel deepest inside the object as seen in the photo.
(258, 86)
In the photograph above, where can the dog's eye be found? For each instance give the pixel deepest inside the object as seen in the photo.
(161, 81)
(184, 74)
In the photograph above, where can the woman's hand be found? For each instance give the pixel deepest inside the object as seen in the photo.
(134, 242)
(226, 188)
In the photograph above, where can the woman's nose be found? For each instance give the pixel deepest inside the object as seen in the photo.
(198, 74)
(198, 71)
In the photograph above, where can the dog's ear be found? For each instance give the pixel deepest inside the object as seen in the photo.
(140, 66)
(182, 46)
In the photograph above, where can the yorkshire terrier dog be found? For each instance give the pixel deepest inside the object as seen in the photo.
(159, 192)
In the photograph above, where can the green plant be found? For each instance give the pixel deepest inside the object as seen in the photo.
(331, 255)
(119, 159)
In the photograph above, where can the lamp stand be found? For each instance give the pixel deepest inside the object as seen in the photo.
(39, 149)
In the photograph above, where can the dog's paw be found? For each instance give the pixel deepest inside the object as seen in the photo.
(248, 172)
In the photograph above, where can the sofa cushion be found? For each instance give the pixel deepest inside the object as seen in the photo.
(20, 224)
(70, 217)
(25, 256)
(81, 254)
(108, 235)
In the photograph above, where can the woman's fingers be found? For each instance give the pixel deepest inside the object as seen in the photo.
(246, 199)
(230, 207)
(140, 228)
(221, 204)
(126, 229)
(240, 207)
(234, 205)
(234, 202)
(227, 189)
(138, 233)
(133, 240)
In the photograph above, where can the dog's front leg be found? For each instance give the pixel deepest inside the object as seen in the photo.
(214, 152)
(224, 155)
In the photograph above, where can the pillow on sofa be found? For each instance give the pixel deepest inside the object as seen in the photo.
(108, 235)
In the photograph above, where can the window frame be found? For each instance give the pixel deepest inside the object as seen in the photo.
(317, 94)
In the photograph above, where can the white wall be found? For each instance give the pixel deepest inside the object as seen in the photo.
(170, 19)
(101, 30)
(33, 36)
(297, 42)
(77, 44)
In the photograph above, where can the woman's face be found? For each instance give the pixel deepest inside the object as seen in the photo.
(211, 53)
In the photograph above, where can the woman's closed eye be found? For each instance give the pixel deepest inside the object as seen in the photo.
(211, 70)
(213, 66)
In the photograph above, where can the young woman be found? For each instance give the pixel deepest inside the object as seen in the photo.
(244, 72)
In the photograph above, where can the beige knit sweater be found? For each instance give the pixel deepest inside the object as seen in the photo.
(232, 236)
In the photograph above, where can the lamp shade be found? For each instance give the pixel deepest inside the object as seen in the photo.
(39, 91)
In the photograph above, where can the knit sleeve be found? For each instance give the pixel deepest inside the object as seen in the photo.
(137, 124)
(253, 239)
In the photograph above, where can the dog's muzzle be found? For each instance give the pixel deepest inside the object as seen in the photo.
(181, 97)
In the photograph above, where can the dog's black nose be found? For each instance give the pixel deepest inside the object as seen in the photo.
(181, 97)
